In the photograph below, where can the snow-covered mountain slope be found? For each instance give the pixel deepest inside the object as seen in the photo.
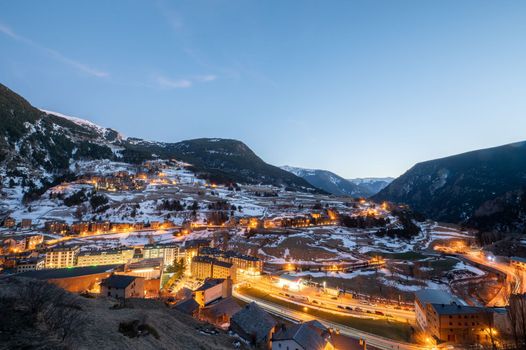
(38, 146)
(372, 185)
(335, 184)
(327, 181)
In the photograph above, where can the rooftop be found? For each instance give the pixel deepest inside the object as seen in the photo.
(306, 334)
(161, 245)
(227, 306)
(67, 272)
(455, 309)
(103, 252)
(187, 306)
(118, 281)
(145, 263)
(209, 283)
(223, 263)
(289, 277)
(435, 296)
(253, 320)
(64, 248)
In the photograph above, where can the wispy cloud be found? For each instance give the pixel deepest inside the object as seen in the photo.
(169, 83)
(205, 78)
(4, 29)
(165, 82)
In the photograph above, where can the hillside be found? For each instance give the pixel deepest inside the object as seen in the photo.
(37, 315)
(483, 188)
(337, 185)
(371, 185)
(37, 146)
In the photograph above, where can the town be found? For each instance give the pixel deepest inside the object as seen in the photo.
(271, 266)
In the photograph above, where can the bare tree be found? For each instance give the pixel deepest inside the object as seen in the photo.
(490, 329)
(517, 317)
(53, 308)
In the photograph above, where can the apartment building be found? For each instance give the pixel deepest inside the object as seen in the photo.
(61, 256)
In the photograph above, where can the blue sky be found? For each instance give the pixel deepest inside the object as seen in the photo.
(362, 88)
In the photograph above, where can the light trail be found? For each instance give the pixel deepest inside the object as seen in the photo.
(296, 316)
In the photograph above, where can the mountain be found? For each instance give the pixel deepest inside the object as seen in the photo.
(326, 180)
(371, 185)
(483, 188)
(41, 145)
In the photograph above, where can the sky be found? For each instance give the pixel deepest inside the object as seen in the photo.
(361, 88)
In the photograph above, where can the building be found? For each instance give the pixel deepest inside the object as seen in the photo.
(518, 262)
(29, 264)
(460, 324)
(80, 228)
(167, 251)
(203, 267)
(310, 335)
(151, 270)
(254, 325)
(33, 241)
(122, 287)
(146, 268)
(289, 282)
(188, 306)
(212, 290)
(219, 312)
(14, 245)
(105, 257)
(61, 256)
(429, 296)
(444, 318)
(9, 222)
(26, 223)
(76, 279)
(57, 227)
(245, 264)
(192, 247)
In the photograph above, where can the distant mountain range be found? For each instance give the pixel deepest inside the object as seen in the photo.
(483, 188)
(371, 185)
(337, 185)
(40, 145)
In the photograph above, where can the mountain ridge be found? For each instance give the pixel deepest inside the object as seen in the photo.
(337, 185)
(470, 187)
(43, 144)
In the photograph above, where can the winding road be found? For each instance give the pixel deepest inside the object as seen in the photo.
(296, 316)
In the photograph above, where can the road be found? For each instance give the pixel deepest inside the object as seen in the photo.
(310, 297)
(516, 279)
(296, 316)
(512, 276)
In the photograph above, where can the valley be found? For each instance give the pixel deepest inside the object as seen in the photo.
(301, 244)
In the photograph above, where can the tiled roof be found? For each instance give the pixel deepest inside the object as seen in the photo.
(118, 281)
(304, 334)
(254, 320)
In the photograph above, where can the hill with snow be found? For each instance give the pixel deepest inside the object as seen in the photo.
(337, 185)
(38, 146)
